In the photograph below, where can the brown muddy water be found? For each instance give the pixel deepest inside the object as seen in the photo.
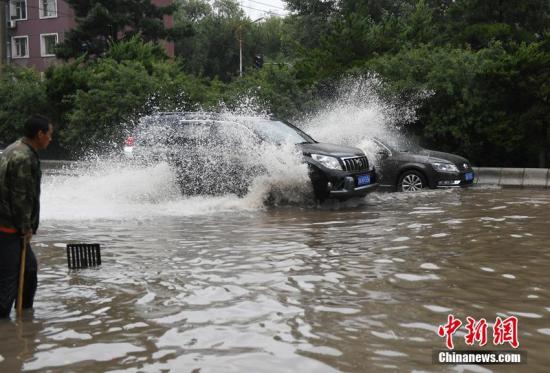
(208, 285)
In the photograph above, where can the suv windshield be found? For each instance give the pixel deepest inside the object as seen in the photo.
(277, 132)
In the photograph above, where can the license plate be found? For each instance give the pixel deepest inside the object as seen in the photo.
(469, 176)
(363, 180)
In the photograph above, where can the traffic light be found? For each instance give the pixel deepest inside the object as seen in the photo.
(258, 61)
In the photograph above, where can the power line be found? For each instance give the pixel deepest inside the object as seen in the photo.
(262, 10)
(268, 5)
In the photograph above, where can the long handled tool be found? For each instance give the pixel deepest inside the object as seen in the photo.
(24, 244)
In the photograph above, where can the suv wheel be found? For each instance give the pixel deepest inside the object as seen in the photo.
(411, 181)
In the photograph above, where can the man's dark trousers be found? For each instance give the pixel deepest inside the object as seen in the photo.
(10, 261)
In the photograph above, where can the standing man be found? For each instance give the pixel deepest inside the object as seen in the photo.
(20, 177)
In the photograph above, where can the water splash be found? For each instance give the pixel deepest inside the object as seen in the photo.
(111, 187)
(116, 191)
(148, 187)
(357, 112)
(286, 181)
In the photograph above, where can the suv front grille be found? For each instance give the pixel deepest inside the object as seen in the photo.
(355, 164)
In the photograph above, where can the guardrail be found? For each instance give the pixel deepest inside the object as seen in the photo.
(517, 177)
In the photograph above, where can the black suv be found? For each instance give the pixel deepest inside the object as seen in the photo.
(218, 154)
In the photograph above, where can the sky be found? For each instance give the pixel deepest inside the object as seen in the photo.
(261, 8)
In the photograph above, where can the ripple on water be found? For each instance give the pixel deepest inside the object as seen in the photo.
(147, 298)
(426, 212)
(135, 326)
(412, 277)
(387, 335)
(419, 325)
(70, 334)
(437, 309)
(390, 353)
(384, 261)
(395, 248)
(240, 312)
(212, 294)
(418, 225)
(488, 218)
(320, 350)
(453, 221)
(401, 239)
(72, 355)
(341, 310)
(527, 315)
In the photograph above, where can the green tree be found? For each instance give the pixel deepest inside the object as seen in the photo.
(274, 89)
(22, 94)
(213, 49)
(490, 105)
(100, 23)
(98, 102)
(478, 22)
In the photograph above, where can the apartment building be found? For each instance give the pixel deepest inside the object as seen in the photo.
(34, 27)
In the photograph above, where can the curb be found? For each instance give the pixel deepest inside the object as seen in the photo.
(516, 177)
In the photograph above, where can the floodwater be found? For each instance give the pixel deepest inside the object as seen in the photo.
(222, 284)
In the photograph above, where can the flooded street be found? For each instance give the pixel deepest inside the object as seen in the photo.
(221, 285)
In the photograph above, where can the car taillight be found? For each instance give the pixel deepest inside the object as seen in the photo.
(130, 141)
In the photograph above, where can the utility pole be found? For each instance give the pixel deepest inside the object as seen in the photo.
(240, 31)
(3, 38)
(240, 37)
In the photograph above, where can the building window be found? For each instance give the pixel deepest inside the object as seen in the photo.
(18, 10)
(48, 8)
(47, 44)
(20, 47)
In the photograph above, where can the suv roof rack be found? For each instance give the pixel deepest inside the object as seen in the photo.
(200, 115)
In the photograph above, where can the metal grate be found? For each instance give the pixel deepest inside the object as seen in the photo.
(83, 255)
(356, 164)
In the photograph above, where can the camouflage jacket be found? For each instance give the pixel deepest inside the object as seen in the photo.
(20, 177)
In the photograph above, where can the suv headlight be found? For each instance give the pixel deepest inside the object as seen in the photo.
(328, 162)
(444, 167)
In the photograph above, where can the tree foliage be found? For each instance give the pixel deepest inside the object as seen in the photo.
(101, 23)
(485, 64)
(22, 94)
(212, 50)
(99, 101)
